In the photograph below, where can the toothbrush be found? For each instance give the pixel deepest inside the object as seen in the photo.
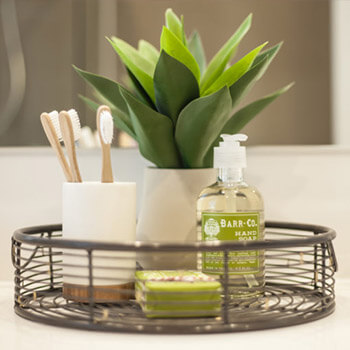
(70, 129)
(105, 127)
(52, 130)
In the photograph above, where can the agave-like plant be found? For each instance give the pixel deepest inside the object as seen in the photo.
(179, 106)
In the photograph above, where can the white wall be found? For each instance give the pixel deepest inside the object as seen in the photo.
(308, 184)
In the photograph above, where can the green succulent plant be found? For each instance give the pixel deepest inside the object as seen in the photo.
(179, 105)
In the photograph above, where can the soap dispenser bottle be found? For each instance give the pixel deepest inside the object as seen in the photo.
(231, 210)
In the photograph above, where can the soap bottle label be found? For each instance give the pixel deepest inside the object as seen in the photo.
(230, 227)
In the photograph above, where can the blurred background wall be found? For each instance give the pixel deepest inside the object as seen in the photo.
(54, 34)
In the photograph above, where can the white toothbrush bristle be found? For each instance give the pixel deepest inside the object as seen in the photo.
(106, 127)
(56, 124)
(75, 123)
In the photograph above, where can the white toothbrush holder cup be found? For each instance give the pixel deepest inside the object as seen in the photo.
(99, 212)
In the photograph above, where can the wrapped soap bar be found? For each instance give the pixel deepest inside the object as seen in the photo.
(177, 294)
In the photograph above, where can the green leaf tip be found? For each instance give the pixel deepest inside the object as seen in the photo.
(219, 62)
(235, 72)
(142, 68)
(287, 87)
(175, 48)
(269, 54)
(183, 30)
(175, 25)
(195, 46)
(147, 50)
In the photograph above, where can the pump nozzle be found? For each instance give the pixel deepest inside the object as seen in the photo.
(234, 137)
(230, 154)
(232, 140)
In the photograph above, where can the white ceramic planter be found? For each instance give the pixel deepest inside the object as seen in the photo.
(104, 212)
(168, 212)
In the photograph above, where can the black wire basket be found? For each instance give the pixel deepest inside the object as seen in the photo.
(97, 286)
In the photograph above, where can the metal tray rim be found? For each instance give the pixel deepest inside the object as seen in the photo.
(322, 234)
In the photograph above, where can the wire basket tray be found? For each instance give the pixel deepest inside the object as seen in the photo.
(299, 260)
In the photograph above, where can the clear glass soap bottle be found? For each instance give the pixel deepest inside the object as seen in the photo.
(230, 209)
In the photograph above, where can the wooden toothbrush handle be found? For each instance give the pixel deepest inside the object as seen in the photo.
(55, 144)
(107, 173)
(68, 139)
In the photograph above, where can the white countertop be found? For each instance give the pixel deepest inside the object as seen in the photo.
(331, 332)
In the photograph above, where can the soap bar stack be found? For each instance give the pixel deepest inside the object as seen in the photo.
(177, 294)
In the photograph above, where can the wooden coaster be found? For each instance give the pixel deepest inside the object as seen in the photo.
(101, 294)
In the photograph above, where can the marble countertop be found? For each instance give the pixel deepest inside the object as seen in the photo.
(331, 332)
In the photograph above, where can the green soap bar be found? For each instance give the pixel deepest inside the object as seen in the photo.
(177, 294)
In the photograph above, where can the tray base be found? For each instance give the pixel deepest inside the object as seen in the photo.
(279, 307)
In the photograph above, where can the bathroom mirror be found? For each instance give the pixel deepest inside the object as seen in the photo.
(40, 40)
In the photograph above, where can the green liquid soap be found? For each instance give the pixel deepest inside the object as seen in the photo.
(230, 210)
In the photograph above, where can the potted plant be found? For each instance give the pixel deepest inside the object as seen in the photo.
(177, 110)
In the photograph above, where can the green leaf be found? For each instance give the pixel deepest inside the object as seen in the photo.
(198, 125)
(231, 75)
(148, 51)
(154, 132)
(90, 103)
(241, 118)
(130, 56)
(117, 121)
(270, 53)
(242, 86)
(140, 92)
(139, 66)
(184, 40)
(174, 24)
(218, 64)
(174, 85)
(176, 49)
(247, 113)
(196, 48)
(110, 92)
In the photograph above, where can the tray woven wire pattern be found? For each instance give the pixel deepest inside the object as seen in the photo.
(299, 273)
